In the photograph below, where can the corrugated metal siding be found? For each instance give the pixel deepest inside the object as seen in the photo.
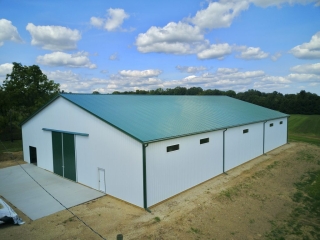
(240, 147)
(276, 135)
(169, 173)
(105, 147)
(151, 118)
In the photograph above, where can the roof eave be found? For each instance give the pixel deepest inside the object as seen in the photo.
(213, 130)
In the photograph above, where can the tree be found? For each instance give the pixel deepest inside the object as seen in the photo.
(194, 91)
(25, 90)
(27, 87)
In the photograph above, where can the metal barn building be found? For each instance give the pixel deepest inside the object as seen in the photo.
(145, 149)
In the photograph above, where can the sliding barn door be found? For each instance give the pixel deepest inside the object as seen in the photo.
(64, 161)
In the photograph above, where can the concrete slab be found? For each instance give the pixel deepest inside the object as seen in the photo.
(24, 193)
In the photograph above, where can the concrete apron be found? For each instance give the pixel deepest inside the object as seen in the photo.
(24, 193)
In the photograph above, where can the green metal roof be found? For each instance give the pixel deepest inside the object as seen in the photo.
(149, 118)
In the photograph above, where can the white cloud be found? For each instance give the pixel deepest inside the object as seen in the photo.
(8, 32)
(72, 82)
(96, 22)
(219, 14)
(176, 38)
(190, 77)
(77, 60)
(5, 69)
(310, 50)
(227, 70)
(224, 78)
(307, 68)
(304, 77)
(271, 83)
(276, 56)
(113, 21)
(267, 3)
(269, 87)
(114, 57)
(187, 36)
(140, 74)
(275, 79)
(63, 76)
(249, 53)
(218, 51)
(191, 69)
(55, 38)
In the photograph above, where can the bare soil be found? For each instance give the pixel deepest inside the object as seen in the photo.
(244, 204)
(8, 159)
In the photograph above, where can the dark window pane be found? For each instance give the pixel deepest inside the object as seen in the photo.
(271, 124)
(245, 130)
(204, 140)
(173, 148)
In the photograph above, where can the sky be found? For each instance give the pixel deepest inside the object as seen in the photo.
(125, 45)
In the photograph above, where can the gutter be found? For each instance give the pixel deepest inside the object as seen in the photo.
(205, 131)
(223, 152)
(144, 166)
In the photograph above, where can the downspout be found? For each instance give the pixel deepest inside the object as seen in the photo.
(144, 163)
(223, 156)
(264, 129)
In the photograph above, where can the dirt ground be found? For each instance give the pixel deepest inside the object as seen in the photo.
(244, 204)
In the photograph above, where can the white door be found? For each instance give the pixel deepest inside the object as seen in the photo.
(102, 182)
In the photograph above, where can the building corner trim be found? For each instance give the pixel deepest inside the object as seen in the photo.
(223, 152)
(144, 166)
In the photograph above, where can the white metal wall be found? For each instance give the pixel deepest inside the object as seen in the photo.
(169, 173)
(276, 135)
(241, 147)
(105, 147)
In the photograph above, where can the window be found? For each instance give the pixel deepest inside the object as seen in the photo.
(281, 122)
(173, 148)
(204, 140)
(271, 124)
(245, 130)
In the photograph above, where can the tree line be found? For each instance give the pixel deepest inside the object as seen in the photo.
(27, 89)
(299, 103)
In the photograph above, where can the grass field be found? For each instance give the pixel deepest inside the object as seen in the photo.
(8, 146)
(304, 128)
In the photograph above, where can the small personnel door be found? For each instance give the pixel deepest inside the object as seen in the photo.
(102, 182)
(64, 161)
(33, 155)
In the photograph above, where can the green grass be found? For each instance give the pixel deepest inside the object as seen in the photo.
(304, 128)
(303, 221)
(195, 230)
(8, 146)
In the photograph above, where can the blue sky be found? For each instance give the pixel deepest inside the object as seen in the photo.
(86, 46)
